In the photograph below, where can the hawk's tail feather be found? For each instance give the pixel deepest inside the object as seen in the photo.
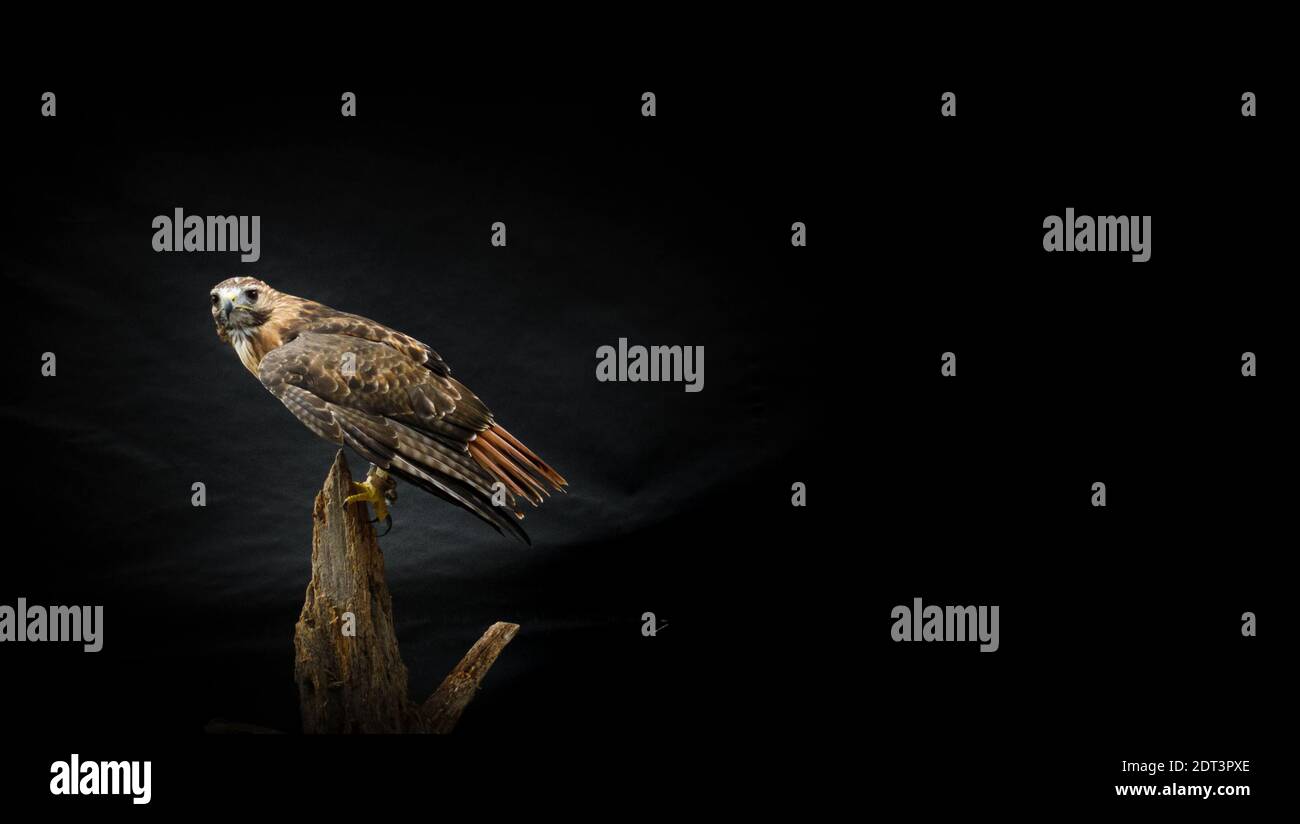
(515, 465)
(430, 465)
(462, 495)
(504, 469)
(492, 462)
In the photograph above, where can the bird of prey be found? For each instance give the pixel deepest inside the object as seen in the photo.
(388, 396)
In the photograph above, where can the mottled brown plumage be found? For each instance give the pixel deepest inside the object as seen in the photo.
(388, 396)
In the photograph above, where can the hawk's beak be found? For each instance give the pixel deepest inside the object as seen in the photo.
(227, 306)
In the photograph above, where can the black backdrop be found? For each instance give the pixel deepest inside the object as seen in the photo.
(1119, 626)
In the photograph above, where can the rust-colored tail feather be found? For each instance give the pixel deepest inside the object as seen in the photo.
(508, 466)
(514, 464)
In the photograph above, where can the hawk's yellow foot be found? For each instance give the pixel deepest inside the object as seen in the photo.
(379, 490)
(367, 493)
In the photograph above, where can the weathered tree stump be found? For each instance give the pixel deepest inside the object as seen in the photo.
(355, 681)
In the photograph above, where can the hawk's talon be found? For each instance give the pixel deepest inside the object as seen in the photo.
(378, 490)
(388, 523)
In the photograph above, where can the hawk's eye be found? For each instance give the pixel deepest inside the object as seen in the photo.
(251, 295)
(214, 298)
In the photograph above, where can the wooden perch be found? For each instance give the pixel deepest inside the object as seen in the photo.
(443, 709)
(350, 674)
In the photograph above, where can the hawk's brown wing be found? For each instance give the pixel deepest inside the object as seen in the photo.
(317, 317)
(396, 413)
(495, 449)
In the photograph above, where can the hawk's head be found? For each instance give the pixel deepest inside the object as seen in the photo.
(240, 305)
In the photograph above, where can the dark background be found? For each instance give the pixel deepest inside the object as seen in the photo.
(1119, 626)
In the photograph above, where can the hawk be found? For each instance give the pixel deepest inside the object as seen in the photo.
(386, 395)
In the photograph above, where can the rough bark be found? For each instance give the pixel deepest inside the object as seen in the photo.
(443, 709)
(357, 683)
